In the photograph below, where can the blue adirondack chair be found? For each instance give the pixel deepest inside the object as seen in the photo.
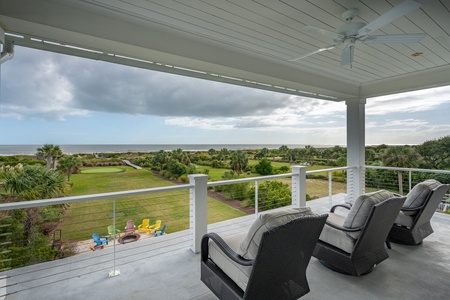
(100, 240)
(158, 232)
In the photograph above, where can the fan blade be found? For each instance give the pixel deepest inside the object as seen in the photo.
(322, 32)
(394, 38)
(314, 52)
(394, 13)
(347, 55)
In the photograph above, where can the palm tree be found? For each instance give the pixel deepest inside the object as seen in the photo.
(239, 161)
(283, 150)
(57, 153)
(310, 152)
(33, 183)
(223, 154)
(69, 164)
(160, 159)
(50, 153)
(400, 157)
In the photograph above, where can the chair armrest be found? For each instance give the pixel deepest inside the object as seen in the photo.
(344, 228)
(412, 209)
(225, 249)
(104, 236)
(340, 205)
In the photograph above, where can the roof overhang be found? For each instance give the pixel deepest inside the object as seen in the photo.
(85, 29)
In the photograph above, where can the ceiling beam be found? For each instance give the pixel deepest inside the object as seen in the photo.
(435, 77)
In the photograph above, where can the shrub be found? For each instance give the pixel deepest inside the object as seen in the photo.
(271, 194)
(175, 169)
(264, 167)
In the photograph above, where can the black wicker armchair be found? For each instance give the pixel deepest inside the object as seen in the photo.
(412, 224)
(278, 270)
(356, 248)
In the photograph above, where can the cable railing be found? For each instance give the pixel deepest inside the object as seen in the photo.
(180, 207)
(401, 180)
(186, 209)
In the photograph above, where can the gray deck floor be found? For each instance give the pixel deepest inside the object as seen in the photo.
(165, 268)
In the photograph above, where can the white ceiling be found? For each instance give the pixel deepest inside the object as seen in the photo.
(242, 42)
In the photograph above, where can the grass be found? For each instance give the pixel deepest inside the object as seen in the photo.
(84, 218)
(102, 170)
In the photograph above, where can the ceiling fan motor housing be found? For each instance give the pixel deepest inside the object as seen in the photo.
(350, 29)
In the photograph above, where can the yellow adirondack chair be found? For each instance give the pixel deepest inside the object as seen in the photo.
(155, 226)
(144, 225)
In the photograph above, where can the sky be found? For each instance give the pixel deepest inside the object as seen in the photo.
(49, 98)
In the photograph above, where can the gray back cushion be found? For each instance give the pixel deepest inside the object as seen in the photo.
(417, 196)
(360, 210)
(265, 222)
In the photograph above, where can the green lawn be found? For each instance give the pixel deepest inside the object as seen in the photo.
(83, 219)
(316, 188)
(102, 170)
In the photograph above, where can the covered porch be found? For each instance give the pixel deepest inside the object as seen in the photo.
(165, 268)
(279, 46)
(250, 44)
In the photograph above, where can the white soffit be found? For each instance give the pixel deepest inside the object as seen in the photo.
(243, 42)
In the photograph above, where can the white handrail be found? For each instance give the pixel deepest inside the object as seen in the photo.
(84, 198)
(409, 169)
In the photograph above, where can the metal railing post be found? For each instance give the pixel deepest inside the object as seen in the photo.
(115, 271)
(198, 209)
(330, 188)
(410, 181)
(298, 186)
(256, 198)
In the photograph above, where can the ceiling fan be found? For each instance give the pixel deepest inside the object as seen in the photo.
(349, 33)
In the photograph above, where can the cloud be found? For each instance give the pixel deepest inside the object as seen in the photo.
(35, 89)
(418, 101)
(50, 86)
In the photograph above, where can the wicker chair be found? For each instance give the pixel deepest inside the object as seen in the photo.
(412, 224)
(355, 250)
(279, 269)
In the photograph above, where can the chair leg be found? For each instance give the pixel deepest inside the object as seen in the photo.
(388, 244)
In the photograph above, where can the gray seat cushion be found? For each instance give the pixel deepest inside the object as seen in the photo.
(404, 219)
(238, 273)
(336, 237)
(357, 216)
(417, 196)
(265, 222)
(246, 244)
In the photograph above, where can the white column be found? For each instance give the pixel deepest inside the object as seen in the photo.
(298, 186)
(198, 209)
(355, 147)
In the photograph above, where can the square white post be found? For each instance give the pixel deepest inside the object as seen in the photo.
(198, 204)
(2, 36)
(355, 147)
(298, 186)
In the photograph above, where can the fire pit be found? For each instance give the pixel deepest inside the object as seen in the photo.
(128, 238)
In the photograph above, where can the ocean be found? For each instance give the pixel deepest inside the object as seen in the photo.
(6, 150)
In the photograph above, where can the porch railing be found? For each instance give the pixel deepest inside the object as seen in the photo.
(196, 191)
(378, 177)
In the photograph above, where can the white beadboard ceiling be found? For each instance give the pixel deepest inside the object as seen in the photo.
(242, 42)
